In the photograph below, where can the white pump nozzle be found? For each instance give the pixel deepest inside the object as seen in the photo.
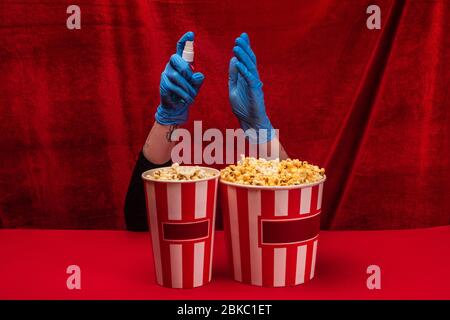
(188, 52)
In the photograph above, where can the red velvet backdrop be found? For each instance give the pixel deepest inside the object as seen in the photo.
(372, 106)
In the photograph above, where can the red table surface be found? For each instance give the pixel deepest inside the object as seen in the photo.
(415, 264)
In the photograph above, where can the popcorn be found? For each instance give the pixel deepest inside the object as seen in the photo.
(180, 173)
(262, 172)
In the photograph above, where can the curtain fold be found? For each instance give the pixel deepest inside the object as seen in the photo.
(344, 152)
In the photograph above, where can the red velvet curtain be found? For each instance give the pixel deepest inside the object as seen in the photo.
(372, 106)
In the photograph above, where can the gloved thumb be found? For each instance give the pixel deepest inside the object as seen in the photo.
(197, 80)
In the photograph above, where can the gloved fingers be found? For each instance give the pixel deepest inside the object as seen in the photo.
(251, 80)
(245, 45)
(188, 36)
(173, 88)
(245, 59)
(197, 81)
(179, 80)
(245, 36)
(181, 66)
(232, 73)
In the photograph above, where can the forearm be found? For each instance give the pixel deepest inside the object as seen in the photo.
(155, 153)
(158, 146)
(273, 149)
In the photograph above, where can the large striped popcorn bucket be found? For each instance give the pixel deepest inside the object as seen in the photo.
(181, 217)
(272, 232)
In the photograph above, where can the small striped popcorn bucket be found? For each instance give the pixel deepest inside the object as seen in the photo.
(181, 218)
(272, 232)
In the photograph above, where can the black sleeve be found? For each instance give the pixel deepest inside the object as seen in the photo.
(135, 208)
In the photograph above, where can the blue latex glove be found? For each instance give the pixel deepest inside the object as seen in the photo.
(178, 87)
(246, 94)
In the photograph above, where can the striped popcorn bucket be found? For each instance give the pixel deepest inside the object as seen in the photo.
(181, 217)
(272, 232)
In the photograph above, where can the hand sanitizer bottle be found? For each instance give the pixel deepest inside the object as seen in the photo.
(188, 53)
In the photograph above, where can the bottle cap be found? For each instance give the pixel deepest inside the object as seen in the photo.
(188, 52)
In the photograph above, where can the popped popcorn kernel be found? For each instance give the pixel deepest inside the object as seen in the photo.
(262, 172)
(180, 173)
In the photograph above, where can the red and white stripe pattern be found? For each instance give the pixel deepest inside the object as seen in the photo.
(271, 264)
(182, 263)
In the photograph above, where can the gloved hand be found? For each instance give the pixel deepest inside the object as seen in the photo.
(246, 94)
(178, 87)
